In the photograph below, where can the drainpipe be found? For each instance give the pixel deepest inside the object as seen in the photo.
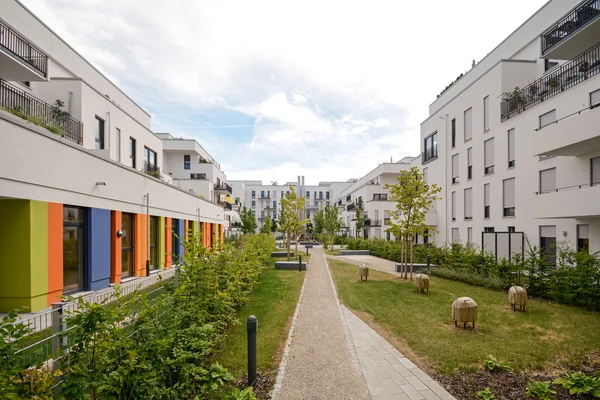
(446, 178)
(69, 107)
(108, 131)
(147, 234)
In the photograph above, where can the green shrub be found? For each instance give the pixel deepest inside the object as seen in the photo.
(492, 364)
(238, 394)
(468, 277)
(540, 390)
(486, 394)
(578, 383)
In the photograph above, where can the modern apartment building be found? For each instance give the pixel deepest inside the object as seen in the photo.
(84, 201)
(515, 142)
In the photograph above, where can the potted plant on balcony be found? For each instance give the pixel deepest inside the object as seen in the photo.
(533, 90)
(584, 67)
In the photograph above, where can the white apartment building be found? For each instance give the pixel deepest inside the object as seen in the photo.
(83, 199)
(528, 162)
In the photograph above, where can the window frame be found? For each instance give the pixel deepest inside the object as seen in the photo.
(133, 151)
(187, 162)
(100, 134)
(433, 150)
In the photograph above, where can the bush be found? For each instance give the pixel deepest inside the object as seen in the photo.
(540, 390)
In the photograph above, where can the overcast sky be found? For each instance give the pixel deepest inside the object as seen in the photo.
(279, 88)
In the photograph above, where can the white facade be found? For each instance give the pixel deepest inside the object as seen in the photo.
(515, 174)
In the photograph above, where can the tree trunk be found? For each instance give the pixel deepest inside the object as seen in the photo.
(288, 234)
(412, 244)
(297, 236)
(402, 258)
(331, 241)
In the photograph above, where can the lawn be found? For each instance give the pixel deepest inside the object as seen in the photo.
(541, 338)
(273, 302)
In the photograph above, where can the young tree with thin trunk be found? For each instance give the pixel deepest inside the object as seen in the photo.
(292, 206)
(267, 225)
(333, 222)
(320, 223)
(360, 221)
(413, 197)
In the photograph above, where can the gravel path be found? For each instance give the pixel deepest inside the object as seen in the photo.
(320, 364)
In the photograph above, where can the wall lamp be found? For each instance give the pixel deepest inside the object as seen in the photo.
(100, 183)
(120, 233)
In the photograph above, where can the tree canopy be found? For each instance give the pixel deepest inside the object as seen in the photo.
(248, 221)
(267, 225)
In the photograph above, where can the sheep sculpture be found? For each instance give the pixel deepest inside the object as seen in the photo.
(517, 296)
(464, 310)
(363, 270)
(422, 282)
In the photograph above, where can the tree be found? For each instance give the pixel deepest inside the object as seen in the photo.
(248, 220)
(267, 225)
(360, 220)
(320, 223)
(413, 199)
(274, 226)
(333, 222)
(290, 222)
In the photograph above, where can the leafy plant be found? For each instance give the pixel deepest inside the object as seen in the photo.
(237, 394)
(492, 364)
(216, 377)
(578, 383)
(540, 390)
(486, 394)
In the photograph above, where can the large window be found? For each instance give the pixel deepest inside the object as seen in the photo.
(488, 154)
(486, 200)
(595, 171)
(430, 147)
(547, 118)
(74, 248)
(548, 180)
(187, 162)
(486, 113)
(511, 148)
(453, 206)
(595, 99)
(469, 235)
(150, 160)
(508, 197)
(198, 176)
(154, 260)
(453, 128)
(308, 194)
(455, 169)
(468, 124)
(583, 241)
(132, 151)
(469, 163)
(99, 133)
(469, 204)
(254, 194)
(548, 243)
(455, 235)
(127, 261)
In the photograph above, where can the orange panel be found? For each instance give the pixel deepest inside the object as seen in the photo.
(141, 253)
(205, 233)
(55, 252)
(116, 256)
(168, 242)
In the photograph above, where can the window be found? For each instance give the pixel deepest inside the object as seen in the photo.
(425, 175)
(468, 124)
(274, 194)
(548, 118)
(548, 243)
(453, 125)
(380, 197)
(548, 65)
(511, 229)
(327, 203)
(453, 206)
(455, 235)
(486, 200)
(253, 203)
(469, 204)
(132, 151)
(186, 162)
(548, 180)
(118, 147)
(488, 229)
(486, 113)
(26, 83)
(254, 194)
(198, 176)
(150, 161)
(154, 223)
(511, 148)
(99, 133)
(595, 99)
(74, 248)
(262, 194)
(469, 235)
(583, 241)
(508, 188)
(320, 195)
(316, 202)
(430, 147)
(455, 169)
(326, 195)
(127, 245)
(469, 163)
(308, 194)
(595, 171)
(488, 154)
(275, 204)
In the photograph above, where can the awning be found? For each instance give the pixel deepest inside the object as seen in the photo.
(229, 199)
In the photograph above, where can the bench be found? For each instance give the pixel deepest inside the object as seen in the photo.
(281, 254)
(289, 265)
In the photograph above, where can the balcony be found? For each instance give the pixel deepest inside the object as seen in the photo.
(351, 207)
(223, 188)
(312, 206)
(553, 83)
(579, 201)
(32, 109)
(263, 197)
(572, 135)
(19, 60)
(372, 222)
(152, 169)
(380, 197)
(573, 33)
(225, 205)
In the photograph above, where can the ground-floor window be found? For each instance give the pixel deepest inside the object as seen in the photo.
(548, 243)
(127, 245)
(74, 248)
(455, 238)
(154, 242)
(583, 241)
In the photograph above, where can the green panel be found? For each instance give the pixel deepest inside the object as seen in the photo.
(23, 254)
(161, 243)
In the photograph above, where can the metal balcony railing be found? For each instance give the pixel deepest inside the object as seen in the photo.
(152, 169)
(350, 207)
(223, 186)
(372, 222)
(225, 205)
(554, 82)
(581, 16)
(380, 197)
(40, 113)
(21, 48)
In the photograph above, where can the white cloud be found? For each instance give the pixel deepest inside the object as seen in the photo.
(345, 82)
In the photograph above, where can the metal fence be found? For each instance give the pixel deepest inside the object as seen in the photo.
(23, 49)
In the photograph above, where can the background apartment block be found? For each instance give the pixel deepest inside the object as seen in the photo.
(530, 162)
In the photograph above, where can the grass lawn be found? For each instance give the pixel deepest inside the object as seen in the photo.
(541, 338)
(273, 302)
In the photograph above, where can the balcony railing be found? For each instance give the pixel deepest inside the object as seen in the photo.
(372, 222)
(574, 187)
(40, 113)
(152, 169)
(265, 197)
(586, 12)
(225, 205)
(380, 197)
(350, 207)
(21, 48)
(223, 186)
(557, 80)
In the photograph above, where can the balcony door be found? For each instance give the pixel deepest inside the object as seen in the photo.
(595, 171)
(154, 243)
(127, 241)
(74, 248)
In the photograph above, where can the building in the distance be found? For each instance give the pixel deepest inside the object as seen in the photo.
(515, 142)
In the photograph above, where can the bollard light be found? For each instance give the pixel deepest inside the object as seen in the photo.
(251, 328)
(299, 263)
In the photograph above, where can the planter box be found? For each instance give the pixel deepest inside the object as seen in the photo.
(416, 267)
(355, 252)
(289, 265)
(281, 254)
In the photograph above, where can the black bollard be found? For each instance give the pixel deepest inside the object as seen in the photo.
(307, 250)
(251, 328)
(428, 260)
(299, 263)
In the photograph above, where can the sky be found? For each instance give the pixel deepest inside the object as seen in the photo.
(273, 89)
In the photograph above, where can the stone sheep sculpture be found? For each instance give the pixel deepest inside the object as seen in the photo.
(464, 310)
(363, 270)
(517, 296)
(422, 282)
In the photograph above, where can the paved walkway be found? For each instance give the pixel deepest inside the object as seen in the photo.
(320, 364)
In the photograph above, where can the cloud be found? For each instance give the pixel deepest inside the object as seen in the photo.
(329, 88)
